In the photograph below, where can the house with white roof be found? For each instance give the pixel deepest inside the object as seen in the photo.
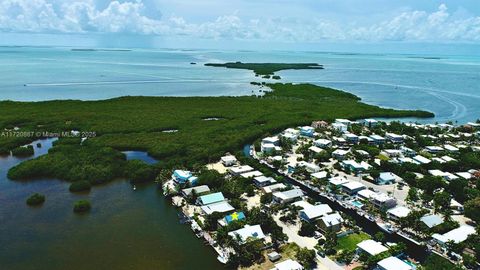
(382, 200)
(273, 188)
(251, 174)
(197, 190)
(434, 149)
(377, 139)
(288, 196)
(309, 166)
(340, 154)
(371, 247)
(352, 187)
(393, 263)
(237, 170)
(267, 148)
(394, 138)
(271, 140)
(457, 235)
(288, 265)
(182, 177)
(351, 138)
(220, 207)
(421, 159)
(319, 175)
(228, 160)
(354, 166)
(337, 181)
(247, 233)
(331, 222)
(314, 212)
(431, 220)
(370, 122)
(398, 212)
(343, 121)
(451, 148)
(340, 127)
(315, 149)
(322, 143)
(262, 181)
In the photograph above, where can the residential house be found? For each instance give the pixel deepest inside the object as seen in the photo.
(262, 181)
(210, 198)
(307, 131)
(237, 170)
(220, 207)
(393, 263)
(288, 265)
(387, 178)
(457, 235)
(198, 190)
(331, 222)
(370, 123)
(182, 177)
(248, 233)
(398, 212)
(394, 138)
(323, 143)
(377, 139)
(273, 188)
(351, 138)
(431, 220)
(371, 247)
(340, 154)
(228, 160)
(340, 127)
(313, 213)
(288, 196)
(352, 187)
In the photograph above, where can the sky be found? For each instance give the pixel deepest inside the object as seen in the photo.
(237, 24)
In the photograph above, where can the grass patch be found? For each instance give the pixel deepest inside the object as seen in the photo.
(349, 242)
(267, 69)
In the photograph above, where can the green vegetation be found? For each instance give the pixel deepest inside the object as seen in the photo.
(266, 69)
(81, 206)
(435, 262)
(80, 186)
(306, 257)
(36, 199)
(349, 242)
(196, 142)
(23, 151)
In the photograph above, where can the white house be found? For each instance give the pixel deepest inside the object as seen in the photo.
(352, 187)
(394, 138)
(398, 212)
(387, 178)
(322, 143)
(228, 160)
(421, 159)
(309, 166)
(371, 247)
(248, 232)
(237, 170)
(273, 188)
(340, 127)
(262, 181)
(457, 235)
(377, 139)
(393, 263)
(370, 122)
(312, 213)
(288, 265)
(288, 196)
(340, 154)
(331, 222)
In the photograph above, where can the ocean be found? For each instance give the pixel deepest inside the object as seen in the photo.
(446, 85)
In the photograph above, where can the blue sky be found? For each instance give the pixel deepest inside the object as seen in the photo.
(304, 24)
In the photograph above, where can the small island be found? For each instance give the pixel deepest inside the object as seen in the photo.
(36, 199)
(266, 69)
(23, 151)
(82, 206)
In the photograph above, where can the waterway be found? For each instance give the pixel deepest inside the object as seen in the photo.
(126, 229)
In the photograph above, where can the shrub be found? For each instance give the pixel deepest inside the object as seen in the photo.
(36, 199)
(79, 186)
(82, 206)
(23, 151)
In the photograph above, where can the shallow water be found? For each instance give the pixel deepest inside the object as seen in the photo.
(444, 84)
(126, 229)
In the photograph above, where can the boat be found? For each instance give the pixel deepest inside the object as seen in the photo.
(134, 187)
(386, 227)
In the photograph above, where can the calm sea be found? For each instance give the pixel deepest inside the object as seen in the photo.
(446, 85)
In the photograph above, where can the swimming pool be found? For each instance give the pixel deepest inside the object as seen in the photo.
(357, 204)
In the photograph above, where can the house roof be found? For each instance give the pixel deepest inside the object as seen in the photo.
(234, 216)
(353, 185)
(394, 263)
(319, 175)
(338, 180)
(372, 247)
(211, 198)
(332, 219)
(254, 231)
(251, 174)
(220, 207)
(288, 265)
(228, 158)
(421, 159)
(264, 179)
(271, 188)
(199, 189)
(366, 193)
(181, 174)
(241, 169)
(388, 176)
(457, 235)
(399, 211)
(432, 220)
(289, 194)
(316, 211)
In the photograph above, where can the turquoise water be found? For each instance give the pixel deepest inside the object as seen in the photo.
(125, 230)
(357, 204)
(446, 85)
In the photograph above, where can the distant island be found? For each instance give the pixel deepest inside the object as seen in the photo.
(266, 69)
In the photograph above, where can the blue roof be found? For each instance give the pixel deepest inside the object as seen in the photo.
(212, 198)
(235, 216)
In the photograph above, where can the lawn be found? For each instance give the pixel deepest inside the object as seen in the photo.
(349, 243)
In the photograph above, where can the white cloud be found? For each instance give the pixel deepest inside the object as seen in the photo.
(75, 16)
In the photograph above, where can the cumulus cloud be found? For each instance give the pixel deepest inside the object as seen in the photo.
(75, 16)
